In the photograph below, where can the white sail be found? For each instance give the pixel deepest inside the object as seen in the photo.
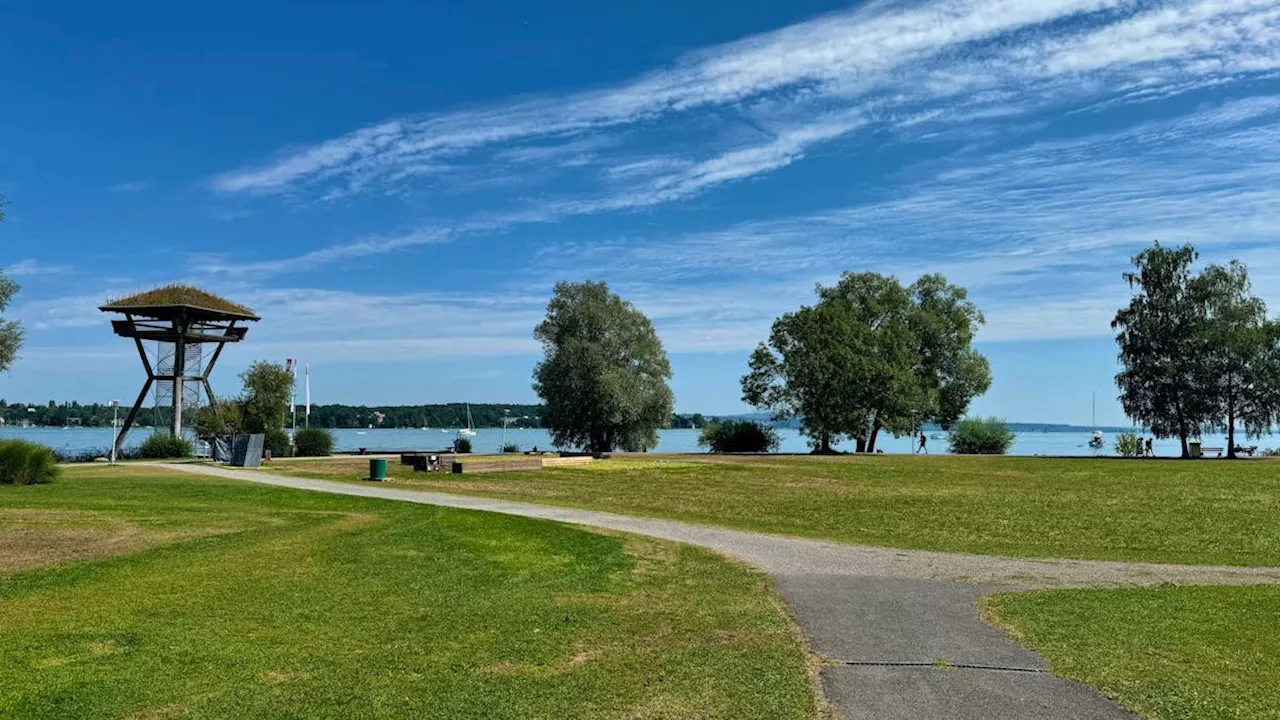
(470, 429)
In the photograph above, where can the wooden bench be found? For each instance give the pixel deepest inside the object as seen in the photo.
(1217, 451)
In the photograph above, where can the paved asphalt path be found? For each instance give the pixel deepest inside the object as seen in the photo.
(899, 626)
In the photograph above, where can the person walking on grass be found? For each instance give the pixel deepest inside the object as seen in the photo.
(923, 440)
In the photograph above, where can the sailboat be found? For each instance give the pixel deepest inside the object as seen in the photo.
(1096, 441)
(470, 429)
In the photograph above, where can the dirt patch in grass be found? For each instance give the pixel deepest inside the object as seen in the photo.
(31, 538)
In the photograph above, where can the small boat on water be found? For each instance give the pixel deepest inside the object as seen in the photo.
(469, 430)
(1097, 440)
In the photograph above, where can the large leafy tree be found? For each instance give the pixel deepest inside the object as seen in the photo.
(1242, 353)
(1164, 341)
(603, 375)
(10, 331)
(268, 392)
(871, 355)
(949, 371)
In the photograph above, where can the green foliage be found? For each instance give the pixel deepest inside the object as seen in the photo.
(81, 456)
(1198, 350)
(871, 355)
(313, 442)
(1269, 452)
(1128, 444)
(219, 420)
(462, 445)
(26, 463)
(686, 422)
(178, 294)
(738, 436)
(10, 331)
(451, 415)
(603, 375)
(1242, 354)
(511, 448)
(268, 392)
(276, 441)
(980, 436)
(162, 446)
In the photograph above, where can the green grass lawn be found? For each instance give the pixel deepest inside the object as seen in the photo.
(132, 593)
(1162, 511)
(1201, 653)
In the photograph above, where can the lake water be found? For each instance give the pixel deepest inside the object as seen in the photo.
(669, 441)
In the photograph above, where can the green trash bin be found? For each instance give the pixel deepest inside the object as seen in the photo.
(1195, 450)
(378, 469)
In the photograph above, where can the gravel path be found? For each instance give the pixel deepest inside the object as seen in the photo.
(886, 617)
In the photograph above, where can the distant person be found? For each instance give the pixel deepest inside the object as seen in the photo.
(1150, 451)
(924, 439)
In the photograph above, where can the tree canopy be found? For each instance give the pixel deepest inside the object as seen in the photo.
(871, 355)
(10, 331)
(268, 393)
(603, 375)
(1198, 351)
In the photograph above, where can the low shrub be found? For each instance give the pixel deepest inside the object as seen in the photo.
(1128, 444)
(511, 448)
(276, 442)
(1270, 452)
(163, 446)
(26, 463)
(981, 436)
(80, 456)
(462, 445)
(313, 442)
(738, 436)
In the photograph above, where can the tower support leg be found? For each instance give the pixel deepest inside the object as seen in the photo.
(133, 414)
(179, 369)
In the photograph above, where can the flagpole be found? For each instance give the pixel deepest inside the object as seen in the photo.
(291, 367)
(308, 420)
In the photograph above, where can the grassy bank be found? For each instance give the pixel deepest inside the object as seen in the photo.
(1162, 511)
(127, 592)
(1167, 653)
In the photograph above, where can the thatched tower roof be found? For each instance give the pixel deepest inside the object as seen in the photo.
(168, 301)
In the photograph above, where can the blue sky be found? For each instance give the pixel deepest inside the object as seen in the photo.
(395, 186)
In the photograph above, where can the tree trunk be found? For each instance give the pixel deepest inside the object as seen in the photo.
(875, 432)
(1186, 450)
(824, 444)
(861, 445)
(1231, 433)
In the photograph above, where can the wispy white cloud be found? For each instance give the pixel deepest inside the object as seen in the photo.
(31, 266)
(1039, 233)
(68, 311)
(1037, 215)
(131, 186)
(921, 70)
